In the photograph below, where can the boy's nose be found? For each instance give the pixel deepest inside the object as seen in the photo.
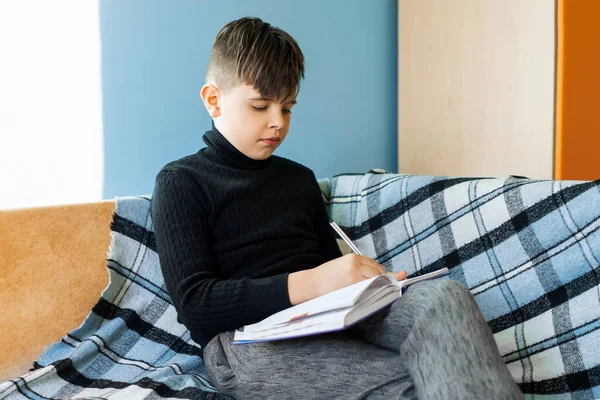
(276, 121)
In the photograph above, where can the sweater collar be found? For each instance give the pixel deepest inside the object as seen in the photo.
(222, 151)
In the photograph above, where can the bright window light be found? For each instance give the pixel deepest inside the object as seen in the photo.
(51, 146)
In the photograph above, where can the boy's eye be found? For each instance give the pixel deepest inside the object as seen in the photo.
(285, 110)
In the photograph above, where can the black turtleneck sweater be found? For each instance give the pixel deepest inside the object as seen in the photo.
(230, 229)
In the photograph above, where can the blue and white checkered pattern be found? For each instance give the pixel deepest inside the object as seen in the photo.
(529, 251)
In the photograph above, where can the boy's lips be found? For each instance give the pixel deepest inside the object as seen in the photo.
(270, 141)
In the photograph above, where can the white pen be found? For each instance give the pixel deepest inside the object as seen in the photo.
(345, 238)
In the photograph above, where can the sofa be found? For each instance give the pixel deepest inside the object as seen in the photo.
(53, 271)
(86, 313)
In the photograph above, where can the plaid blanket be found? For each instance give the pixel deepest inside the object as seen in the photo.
(130, 346)
(529, 251)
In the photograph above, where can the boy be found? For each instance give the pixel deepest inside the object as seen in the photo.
(242, 234)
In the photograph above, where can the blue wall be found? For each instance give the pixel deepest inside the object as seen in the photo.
(154, 57)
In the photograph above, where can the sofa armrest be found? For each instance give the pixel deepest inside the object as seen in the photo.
(52, 272)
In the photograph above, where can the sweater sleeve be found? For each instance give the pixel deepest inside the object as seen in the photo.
(326, 234)
(205, 304)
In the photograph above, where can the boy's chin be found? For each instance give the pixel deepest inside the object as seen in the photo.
(260, 155)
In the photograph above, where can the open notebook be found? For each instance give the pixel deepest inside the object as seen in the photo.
(331, 312)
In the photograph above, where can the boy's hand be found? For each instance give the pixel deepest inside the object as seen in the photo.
(333, 275)
(400, 276)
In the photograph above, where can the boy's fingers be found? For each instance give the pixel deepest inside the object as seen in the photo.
(369, 271)
(374, 264)
(364, 261)
(401, 275)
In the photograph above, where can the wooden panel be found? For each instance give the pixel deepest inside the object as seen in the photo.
(578, 90)
(476, 87)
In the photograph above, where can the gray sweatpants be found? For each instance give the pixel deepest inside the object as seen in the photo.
(432, 343)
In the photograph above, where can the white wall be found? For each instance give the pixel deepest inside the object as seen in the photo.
(476, 87)
(51, 145)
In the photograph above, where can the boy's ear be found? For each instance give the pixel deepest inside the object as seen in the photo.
(210, 97)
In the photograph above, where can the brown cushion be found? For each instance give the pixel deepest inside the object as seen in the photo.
(52, 272)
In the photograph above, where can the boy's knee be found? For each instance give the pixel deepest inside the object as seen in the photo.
(450, 286)
(444, 290)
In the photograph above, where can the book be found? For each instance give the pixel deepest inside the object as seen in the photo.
(333, 311)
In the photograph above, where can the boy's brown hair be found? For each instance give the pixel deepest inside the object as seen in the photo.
(251, 51)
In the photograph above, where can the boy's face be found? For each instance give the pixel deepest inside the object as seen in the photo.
(256, 126)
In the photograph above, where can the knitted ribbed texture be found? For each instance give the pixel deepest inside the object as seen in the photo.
(230, 229)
